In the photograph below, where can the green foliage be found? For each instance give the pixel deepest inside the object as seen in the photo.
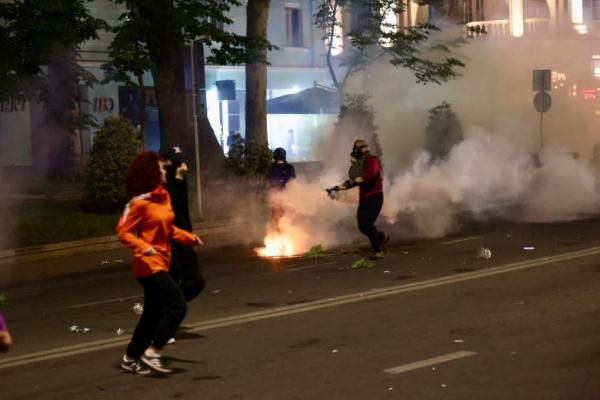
(443, 131)
(376, 38)
(314, 252)
(35, 34)
(250, 161)
(364, 246)
(149, 27)
(357, 115)
(46, 222)
(2, 300)
(115, 147)
(362, 263)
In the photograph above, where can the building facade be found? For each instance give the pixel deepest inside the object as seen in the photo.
(298, 64)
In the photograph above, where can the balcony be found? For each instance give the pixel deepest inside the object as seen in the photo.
(501, 27)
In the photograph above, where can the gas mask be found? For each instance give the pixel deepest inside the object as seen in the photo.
(357, 152)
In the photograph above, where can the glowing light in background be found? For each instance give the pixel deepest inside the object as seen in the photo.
(337, 47)
(516, 18)
(391, 21)
(581, 29)
(577, 11)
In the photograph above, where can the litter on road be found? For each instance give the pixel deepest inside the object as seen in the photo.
(484, 253)
(138, 308)
(528, 248)
(80, 329)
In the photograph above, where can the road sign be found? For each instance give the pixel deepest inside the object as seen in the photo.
(542, 102)
(542, 79)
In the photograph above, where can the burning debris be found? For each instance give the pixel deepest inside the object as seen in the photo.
(277, 245)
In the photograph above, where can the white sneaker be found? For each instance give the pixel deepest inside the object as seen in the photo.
(156, 363)
(171, 341)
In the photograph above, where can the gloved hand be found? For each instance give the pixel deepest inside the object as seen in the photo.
(349, 184)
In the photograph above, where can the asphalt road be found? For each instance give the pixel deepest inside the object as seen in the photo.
(430, 321)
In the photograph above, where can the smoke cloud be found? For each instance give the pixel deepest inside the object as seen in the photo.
(498, 172)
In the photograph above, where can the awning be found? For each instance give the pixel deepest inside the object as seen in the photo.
(314, 100)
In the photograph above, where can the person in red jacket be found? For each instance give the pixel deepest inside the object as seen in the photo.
(146, 226)
(370, 185)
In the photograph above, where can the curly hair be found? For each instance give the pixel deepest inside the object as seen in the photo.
(143, 175)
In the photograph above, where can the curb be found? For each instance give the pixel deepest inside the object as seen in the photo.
(20, 266)
(42, 197)
(24, 255)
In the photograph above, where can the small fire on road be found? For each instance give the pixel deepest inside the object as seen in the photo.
(277, 245)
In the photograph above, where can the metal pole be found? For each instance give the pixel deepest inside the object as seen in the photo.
(541, 132)
(196, 140)
(543, 93)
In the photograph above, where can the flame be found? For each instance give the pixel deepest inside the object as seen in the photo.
(277, 246)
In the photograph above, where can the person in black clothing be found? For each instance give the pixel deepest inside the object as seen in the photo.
(184, 266)
(280, 172)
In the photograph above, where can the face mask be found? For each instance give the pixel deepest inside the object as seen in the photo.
(357, 152)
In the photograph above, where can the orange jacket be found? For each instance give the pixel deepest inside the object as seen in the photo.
(149, 223)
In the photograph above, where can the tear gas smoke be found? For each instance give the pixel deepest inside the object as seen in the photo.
(490, 174)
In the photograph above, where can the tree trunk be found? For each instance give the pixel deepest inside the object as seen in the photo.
(65, 158)
(256, 75)
(175, 120)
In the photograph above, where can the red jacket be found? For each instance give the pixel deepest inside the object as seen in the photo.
(372, 178)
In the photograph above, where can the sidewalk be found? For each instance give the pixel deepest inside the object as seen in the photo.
(31, 263)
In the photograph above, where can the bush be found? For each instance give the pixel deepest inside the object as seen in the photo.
(249, 161)
(358, 116)
(115, 147)
(442, 132)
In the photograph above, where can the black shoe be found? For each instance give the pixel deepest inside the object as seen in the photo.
(156, 363)
(378, 255)
(386, 240)
(134, 365)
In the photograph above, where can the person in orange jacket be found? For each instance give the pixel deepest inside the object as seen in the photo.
(146, 226)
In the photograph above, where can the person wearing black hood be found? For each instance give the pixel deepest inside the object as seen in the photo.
(184, 267)
(280, 173)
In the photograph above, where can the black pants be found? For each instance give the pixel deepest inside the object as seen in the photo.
(164, 309)
(185, 271)
(368, 211)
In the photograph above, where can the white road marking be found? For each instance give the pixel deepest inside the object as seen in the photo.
(137, 296)
(461, 240)
(300, 308)
(311, 266)
(430, 361)
(106, 301)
